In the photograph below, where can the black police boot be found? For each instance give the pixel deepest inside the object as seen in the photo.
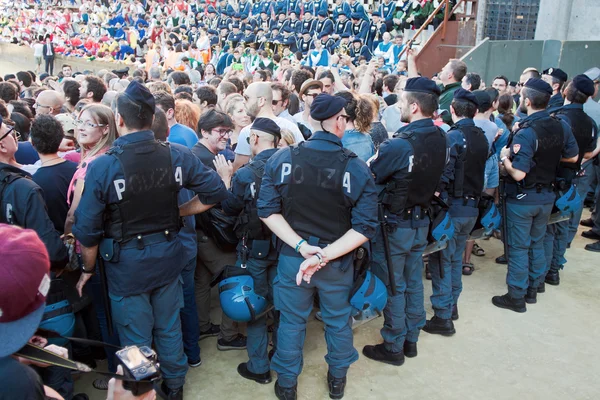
(286, 393)
(336, 386)
(502, 259)
(552, 278)
(410, 349)
(260, 378)
(542, 288)
(454, 312)
(531, 296)
(516, 305)
(379, 353)
(172, 394)
(439, 326)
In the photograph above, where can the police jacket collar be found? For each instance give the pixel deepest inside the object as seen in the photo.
(134, 137)
(464, 122)
(422, 123)
(265, 155)
(572, 106)
(12, 168)
(326, 136)
(536, 116)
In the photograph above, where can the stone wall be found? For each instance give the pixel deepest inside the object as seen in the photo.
(23, 55)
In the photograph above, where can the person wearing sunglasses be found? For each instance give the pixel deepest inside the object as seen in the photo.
(22, 201)
(321, 202)
(310, 89)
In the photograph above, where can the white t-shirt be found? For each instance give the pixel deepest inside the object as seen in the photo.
(243, 148)
(38, 50)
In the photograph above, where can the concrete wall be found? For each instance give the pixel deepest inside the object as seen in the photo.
(510, 57)
(23, 57)
(568, 20)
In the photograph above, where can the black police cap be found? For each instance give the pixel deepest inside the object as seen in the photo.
(140, 95)
(325, 106)
(556, 73)
(267, 125)
(422, 85)
(462, 94)
(539, 85)
(584, 84)
(483, 98)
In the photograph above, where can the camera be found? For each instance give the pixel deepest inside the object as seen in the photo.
(139, 364)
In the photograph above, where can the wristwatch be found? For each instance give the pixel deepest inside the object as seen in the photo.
(88, 271)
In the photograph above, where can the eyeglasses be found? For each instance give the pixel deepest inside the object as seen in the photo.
(520, 84)
(223, 132)
(313, 95)
(36, 105)
(15, 134)
(88, 124)
(346, 117)
(275, 102)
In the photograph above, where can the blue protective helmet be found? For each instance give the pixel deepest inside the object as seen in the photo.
(491, 219)
(442, 228)
(59, 318)
(570, 201)
(369, 292)
(238, 299)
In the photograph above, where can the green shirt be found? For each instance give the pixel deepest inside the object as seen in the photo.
(446, 99)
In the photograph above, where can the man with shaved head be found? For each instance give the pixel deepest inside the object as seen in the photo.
(49, 102)
(259, 104)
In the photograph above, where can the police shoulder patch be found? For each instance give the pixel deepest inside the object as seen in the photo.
(516, 148)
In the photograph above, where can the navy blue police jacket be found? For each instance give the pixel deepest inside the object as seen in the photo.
(359, 188)
(138, 271)
(525, 144)
(393, 162)
(22, 204)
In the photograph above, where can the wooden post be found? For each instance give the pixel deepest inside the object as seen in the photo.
(445, 19)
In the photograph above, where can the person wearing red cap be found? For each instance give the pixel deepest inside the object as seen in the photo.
(24, 275)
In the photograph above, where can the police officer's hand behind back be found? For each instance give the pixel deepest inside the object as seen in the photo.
(308, 268)
(307, 251)
(116, 391)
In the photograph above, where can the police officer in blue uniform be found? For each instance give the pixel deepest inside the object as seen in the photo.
(255, 250)
(409, 168)
(21, 200)
(314, 195)
(556, 78)
(138, 239)
(557, 235)
(530, 162)
(461, 187)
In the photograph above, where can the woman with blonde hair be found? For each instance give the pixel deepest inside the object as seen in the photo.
(287, 138)
(187, 113)
(378, 132)
(96, 132)
(361, 113)
(235, 107)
